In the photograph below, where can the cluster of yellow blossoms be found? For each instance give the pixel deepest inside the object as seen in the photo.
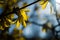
(6, 20)
(22, 16)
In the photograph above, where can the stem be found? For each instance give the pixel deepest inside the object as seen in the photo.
(22, 7)
(30, 4)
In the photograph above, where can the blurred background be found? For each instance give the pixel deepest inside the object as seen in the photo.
(42, 24)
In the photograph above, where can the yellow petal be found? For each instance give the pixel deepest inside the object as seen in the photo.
(17, 24)
(1, 28)
(44, 30)
(11, 22)
(23, 13)
(5, 24)
(24, 24)
(44, 5)
(26, 10)
(12, 15)
(41, 2)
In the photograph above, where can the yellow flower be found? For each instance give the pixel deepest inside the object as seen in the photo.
(6, 21)
(44, 30)
(1, 28)
(43, 3)
(22, 18)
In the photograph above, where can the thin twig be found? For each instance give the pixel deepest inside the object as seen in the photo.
(22, 7)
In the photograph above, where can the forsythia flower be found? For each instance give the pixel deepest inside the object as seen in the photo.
(22, 18)
(43, 3)
(5, 22)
